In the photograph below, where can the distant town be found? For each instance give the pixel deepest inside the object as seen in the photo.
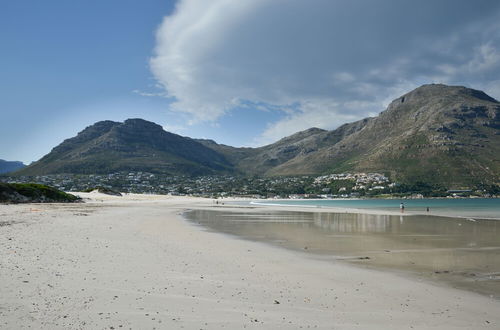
(340, 185)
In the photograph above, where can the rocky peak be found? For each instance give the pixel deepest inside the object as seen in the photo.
(141, 124)
(438, 93)
(433, 104)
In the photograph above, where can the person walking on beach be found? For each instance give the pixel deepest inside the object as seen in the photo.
(402, 207)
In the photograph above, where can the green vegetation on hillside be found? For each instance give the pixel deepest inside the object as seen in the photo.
(135, 145)
(32, 193)
(364, 185)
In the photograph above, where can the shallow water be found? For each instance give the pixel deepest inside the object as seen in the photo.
(460, 207)
(460, 252)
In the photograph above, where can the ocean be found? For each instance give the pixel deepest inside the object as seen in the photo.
(483, 208)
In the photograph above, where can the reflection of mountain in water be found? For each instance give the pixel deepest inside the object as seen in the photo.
(353, 223)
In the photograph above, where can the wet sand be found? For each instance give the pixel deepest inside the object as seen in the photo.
(134, 263)
(458, 252)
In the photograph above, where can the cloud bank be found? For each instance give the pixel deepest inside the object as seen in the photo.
(323, 62)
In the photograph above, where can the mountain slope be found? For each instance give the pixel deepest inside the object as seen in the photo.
(270, 159)
(260, 160)
(440, 134)
(436, 133)
(135, 145)
(9, 166)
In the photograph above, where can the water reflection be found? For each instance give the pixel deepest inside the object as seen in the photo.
(463, 253)
(348, 223)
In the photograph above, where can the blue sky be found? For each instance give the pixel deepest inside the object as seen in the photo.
(243, 73)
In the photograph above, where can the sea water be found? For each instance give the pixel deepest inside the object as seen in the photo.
(485, 208)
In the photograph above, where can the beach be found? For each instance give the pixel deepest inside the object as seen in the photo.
(133, 262)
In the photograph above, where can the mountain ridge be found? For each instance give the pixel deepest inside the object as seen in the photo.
(7, 166)
(435, 122)
(434, 133)
(135, 144)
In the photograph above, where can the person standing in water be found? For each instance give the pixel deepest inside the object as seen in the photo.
(402, 207)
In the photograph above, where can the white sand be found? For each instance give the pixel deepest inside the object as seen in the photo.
(133, 262)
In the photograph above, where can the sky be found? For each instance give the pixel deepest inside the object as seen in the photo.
(243, 73)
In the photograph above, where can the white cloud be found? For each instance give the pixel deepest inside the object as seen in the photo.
(187, 43)
(313, 113)
(321, 63)
(484, 58)
(149, 94)
(177, 129)
(343, 77)
(487, 57)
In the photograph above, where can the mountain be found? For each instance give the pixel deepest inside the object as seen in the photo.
(435, 133)
(274, 158)
(10, 166)
(448, 135)
(261, 160)
(135, 145)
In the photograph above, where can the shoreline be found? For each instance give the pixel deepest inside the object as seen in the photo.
(134, 262)
(385, 241)
(371, 211)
